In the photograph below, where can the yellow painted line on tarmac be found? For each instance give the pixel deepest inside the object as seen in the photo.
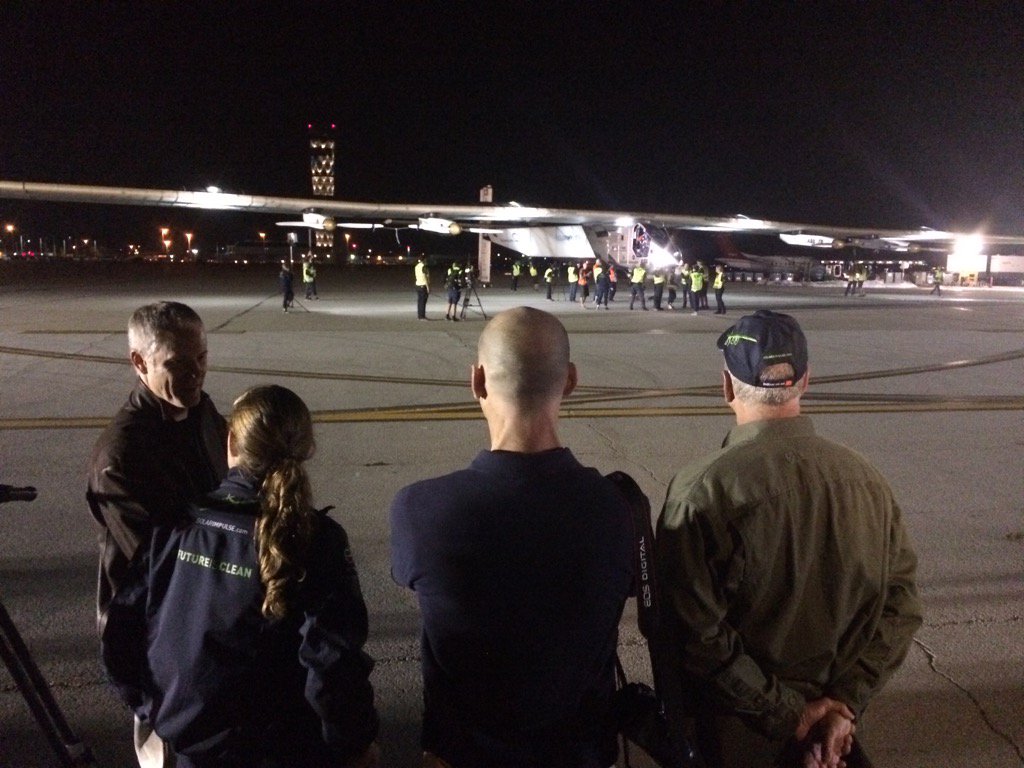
(85, 422)
(274, 373)
(613, 392)
(470, 412)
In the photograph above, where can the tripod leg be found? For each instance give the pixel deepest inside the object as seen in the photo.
(479, 303)
(36, 692)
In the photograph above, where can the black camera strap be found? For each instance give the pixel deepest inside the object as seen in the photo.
(666, 685)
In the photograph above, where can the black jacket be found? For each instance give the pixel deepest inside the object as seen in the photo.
(221, 683)
(144, 470)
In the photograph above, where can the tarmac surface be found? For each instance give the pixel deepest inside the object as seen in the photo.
(927, 388)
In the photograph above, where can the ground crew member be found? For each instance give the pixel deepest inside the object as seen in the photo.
(659, 288)
(938, 275)
(672, 285)
(851, 281)
(549, 279)
(422, 287)
(453, 282)
(284, 279)
(696, 287)
(703, 294)
(517, 269)
(572, 276)
(309, 278)
(684, 284)
(636, 286)
(862, 275)
(613, 279)
(533, 274)
(719, 286)
(584, 282)
(601, 281)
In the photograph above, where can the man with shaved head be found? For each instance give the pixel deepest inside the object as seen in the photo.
(521, 565)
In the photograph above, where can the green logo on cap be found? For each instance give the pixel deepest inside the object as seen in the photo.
(735, 338)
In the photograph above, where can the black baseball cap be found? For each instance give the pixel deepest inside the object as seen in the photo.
(762, 339)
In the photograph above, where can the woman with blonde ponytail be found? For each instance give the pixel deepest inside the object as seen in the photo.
(255, 617)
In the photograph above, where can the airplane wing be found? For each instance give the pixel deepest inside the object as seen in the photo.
(485, 218)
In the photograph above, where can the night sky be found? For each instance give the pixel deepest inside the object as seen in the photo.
(891, 115)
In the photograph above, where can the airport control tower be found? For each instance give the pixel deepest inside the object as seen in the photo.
(321, 171)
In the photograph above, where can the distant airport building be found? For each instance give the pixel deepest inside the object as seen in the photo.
(980, 268)
(321, 171)
(255, 252)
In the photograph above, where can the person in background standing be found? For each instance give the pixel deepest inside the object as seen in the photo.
(549, 280)
(603, 283)
(719, 287)
(453, 283)
(285, 280)
(659, 288)
(584, 283)
(672, 286)
(696, 287)
(422, 273)
(572, 276)
(309, 278)
(637, 287)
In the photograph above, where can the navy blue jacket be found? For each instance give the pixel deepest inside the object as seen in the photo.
(521, 565)
(221, 683)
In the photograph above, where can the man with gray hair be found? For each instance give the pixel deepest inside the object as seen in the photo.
(165, 446)
(787, 576)
(521, 565)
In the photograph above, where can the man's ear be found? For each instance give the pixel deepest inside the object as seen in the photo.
(138, 362)
(478, 382)
(231, 445)
(805, 380)
(571, 378)
(727, 391)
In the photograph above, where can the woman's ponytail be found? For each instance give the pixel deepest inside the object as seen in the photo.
(272, 435)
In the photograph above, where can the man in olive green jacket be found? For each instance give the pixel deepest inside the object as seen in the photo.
(787, 575)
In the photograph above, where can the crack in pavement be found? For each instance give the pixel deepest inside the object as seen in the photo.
(932, 657)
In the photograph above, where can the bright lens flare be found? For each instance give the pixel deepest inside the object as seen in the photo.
(967, 245)
(659, 258)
